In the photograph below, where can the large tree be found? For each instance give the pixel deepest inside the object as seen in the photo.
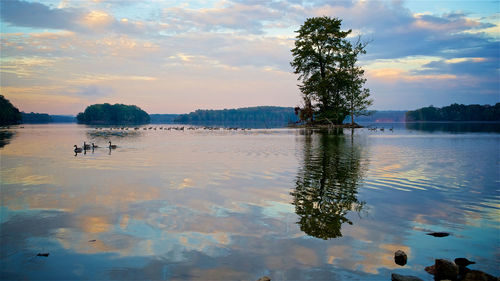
(325, 60)
(357, 97)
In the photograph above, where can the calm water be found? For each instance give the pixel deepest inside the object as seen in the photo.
(238, 205)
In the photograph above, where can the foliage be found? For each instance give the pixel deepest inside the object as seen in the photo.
(332, 84)
(113, 114)
(9, 114)
(35, 118)
(326, 185)
(456, 112)
(358, 98)
(270, 115)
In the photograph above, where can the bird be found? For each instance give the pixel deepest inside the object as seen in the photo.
(94, 146)
(86, 146)
(112, 146)
(77, 149)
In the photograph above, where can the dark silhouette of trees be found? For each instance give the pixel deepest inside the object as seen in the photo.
(35, 118)
(326, 185)
(332, 84)
(113, 114)
(456, 112)
(270, 115)
(9, 114)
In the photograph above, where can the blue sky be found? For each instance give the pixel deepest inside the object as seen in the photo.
(59, 56)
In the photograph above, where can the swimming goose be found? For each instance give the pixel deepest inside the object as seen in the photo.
(86, 146)
(77, 149)
(112, 146)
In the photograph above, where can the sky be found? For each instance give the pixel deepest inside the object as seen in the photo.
(59, 56)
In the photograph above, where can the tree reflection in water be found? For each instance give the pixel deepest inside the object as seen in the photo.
(5, 137)
(326, 185)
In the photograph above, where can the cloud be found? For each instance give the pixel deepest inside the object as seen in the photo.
(80, 19)
(232, 16)
(28, 14)
(93, 91)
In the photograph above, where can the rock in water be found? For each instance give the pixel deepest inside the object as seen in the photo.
(43, 254)
(476, 275)
(265, 278)
(438, 234)
(431, 269)
(445, 269)
(397, 277)
(400, 257)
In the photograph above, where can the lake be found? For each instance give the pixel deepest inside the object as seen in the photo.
(292, 204)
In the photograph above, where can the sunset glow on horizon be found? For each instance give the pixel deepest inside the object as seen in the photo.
(59, 56)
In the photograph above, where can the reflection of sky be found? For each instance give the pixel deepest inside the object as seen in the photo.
(177, 206)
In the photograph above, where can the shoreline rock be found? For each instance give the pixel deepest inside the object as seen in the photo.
(399, 277)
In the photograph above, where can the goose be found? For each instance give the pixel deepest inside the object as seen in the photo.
(77, 149)
(112, 146)
(94, 146)
(86, 146)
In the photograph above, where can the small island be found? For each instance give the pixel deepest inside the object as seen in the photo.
(107, 114)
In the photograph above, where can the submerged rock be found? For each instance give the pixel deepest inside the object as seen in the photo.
(398, 277)
(265, 278)
(400, 257)
(438, 234)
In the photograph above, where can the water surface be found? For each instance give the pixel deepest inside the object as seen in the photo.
(238, 205)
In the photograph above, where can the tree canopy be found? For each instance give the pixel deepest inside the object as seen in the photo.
(332, 84)
(112, 114)
(9, 114)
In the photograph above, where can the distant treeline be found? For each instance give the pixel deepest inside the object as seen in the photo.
(35, 118)
(260, 116)
(9, 114)
(456, 112)
(62, 118)
(43, 118)
(105, 114)
(163, 118)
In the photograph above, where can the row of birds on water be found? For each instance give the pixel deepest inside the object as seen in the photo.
(381, 129)
(92, 146)
(176, 128)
